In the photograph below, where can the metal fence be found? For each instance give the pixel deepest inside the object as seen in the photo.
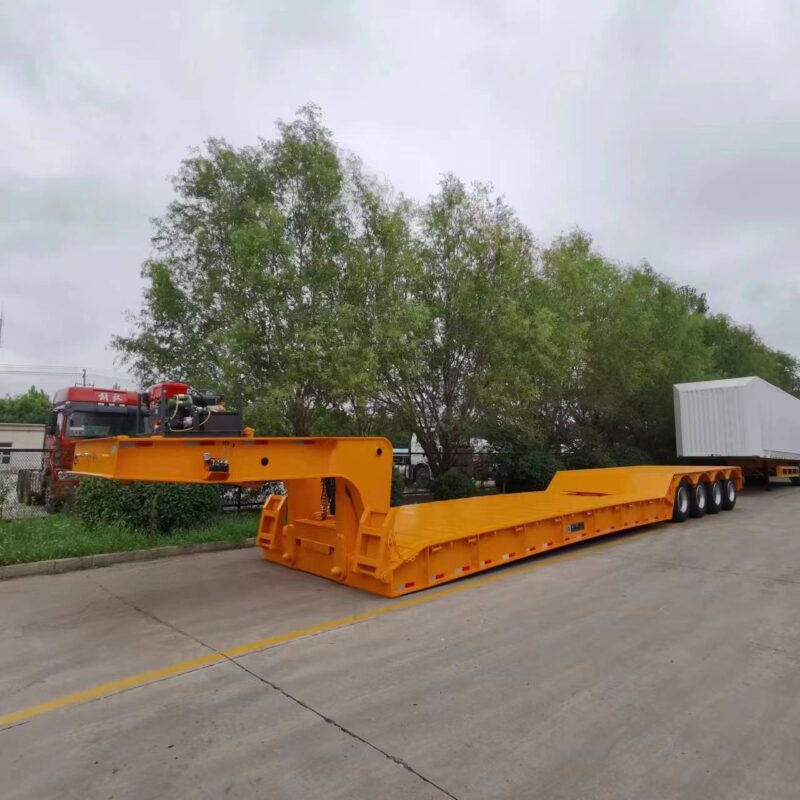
(248, 498)
(19, 469)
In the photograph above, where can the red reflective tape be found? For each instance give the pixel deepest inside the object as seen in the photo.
(408, 585)
(142, 444)
(439, 576)
(511, 555)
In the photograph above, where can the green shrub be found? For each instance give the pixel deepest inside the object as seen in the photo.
(146, 507)
(589, 458)
(398, 487)
(452, 485)
(524, 469)
(628, 455)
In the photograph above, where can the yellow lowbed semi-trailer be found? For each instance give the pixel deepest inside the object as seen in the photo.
(395, 551)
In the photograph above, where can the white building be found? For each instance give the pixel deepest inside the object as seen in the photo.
(20, 436)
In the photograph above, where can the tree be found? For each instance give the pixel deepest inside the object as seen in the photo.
(261, 280)
(738, 352)
(318, 301)
(618, 339)
(579, 287)
(462, 318)
(651, 339)
(31, 407)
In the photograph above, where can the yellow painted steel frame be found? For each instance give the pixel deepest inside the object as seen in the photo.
(394, 551)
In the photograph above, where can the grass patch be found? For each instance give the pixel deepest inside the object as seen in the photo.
(63, 536)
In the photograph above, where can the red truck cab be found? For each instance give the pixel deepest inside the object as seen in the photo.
(79, 412)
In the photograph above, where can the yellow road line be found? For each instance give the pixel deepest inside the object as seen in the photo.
(218, 656)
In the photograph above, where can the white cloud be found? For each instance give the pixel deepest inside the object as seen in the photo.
(669, 131)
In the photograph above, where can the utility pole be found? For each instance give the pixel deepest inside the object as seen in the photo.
(84, 376)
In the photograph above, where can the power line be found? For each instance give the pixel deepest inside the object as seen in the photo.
(56, 371)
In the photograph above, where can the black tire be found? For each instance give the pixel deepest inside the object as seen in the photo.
(698, 500)
(680, 508)
(422, 476)
(795, 481)
(714, 493)
(729, 494)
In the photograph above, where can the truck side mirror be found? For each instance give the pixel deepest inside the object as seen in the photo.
(51, 428)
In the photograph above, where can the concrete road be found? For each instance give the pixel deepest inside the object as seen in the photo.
(659, 664)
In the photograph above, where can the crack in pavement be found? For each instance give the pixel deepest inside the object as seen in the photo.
(328, 720)
(154, 617)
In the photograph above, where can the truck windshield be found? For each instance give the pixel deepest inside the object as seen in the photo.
(95, 424)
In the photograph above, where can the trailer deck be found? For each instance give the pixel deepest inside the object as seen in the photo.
(395, 551)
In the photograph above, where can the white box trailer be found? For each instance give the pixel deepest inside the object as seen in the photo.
(746, 421)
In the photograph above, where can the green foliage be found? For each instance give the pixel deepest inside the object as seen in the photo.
(588, 458)
(269, 277)
(453, 485)
(466, 318)
(31, 407)
(628, 455)
(738, 351)
(518, 467)
(398, 487)
(320, 302)
(154, 508)
(64, 536)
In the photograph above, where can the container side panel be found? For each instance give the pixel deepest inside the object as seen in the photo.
(741, 417)
(711, 421)
(779, 421)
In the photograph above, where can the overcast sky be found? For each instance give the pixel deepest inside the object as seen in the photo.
(668, 130)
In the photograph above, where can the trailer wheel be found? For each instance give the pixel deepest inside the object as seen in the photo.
(698, 500)
(714, 493)
(795, 481)
(728, 495)
(680, 509)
